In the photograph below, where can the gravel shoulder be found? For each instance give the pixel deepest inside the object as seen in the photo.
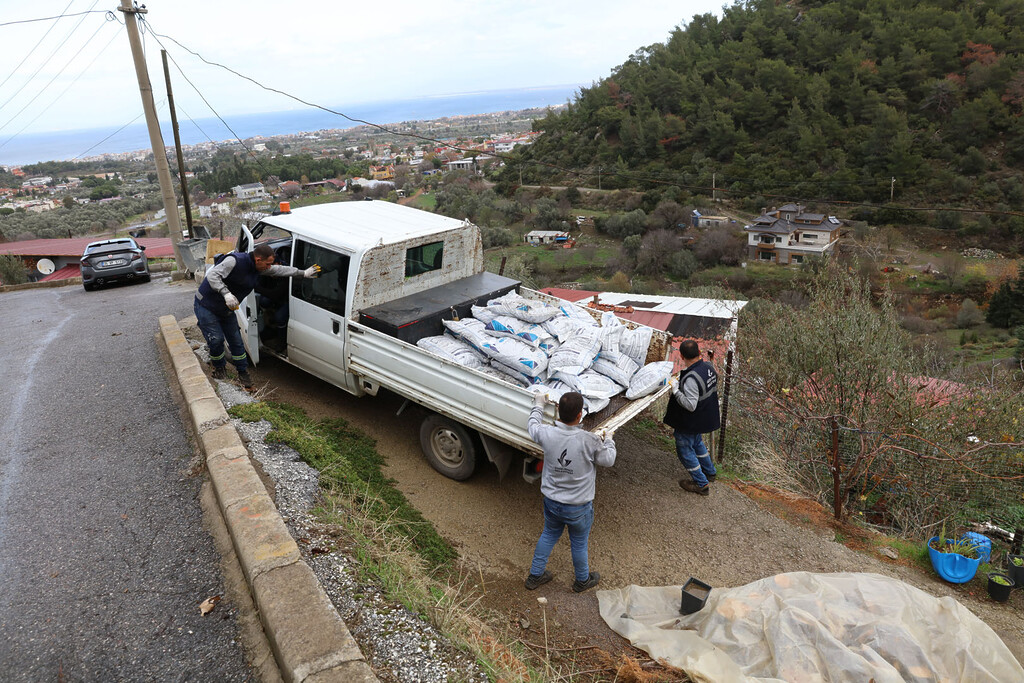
(647, 531)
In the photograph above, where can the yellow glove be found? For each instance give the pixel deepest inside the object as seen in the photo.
(312, 271)
(231, 301)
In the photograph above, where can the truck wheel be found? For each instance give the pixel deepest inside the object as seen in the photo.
(449, 447)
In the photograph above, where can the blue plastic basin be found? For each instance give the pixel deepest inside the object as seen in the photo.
(982, 543)
(950, 566)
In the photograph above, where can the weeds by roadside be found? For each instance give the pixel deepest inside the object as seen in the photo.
(397, 549)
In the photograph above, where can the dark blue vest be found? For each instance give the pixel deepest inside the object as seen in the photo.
(705, 418)
(240, 282)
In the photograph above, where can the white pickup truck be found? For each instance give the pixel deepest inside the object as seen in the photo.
(390, 274)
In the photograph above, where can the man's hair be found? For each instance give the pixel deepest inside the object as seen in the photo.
(689, 350)
(570, 406)
(263, 251)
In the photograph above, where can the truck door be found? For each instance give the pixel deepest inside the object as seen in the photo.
(318, 313)
(247, 311)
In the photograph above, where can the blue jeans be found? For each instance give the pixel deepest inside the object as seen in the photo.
(218, 329)
(557, 516)
(694, 455)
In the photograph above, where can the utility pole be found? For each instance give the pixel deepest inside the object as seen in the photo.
(156, 140)
(177, 143)
(713, 177)
(892, 188)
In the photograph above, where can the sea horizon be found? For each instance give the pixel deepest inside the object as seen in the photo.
(69, 144)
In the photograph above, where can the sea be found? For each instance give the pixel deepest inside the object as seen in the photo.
(72, 144)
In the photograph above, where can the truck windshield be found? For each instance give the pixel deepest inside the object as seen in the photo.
(424, 258)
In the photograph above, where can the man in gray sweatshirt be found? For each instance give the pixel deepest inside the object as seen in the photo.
(571, 457)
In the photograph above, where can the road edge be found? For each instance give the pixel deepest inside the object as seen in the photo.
(309, 639)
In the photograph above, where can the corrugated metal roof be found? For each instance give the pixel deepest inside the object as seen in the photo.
(63, 273)
(708, 308)
(156, 247)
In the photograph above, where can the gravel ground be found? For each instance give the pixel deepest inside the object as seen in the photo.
(398, 644)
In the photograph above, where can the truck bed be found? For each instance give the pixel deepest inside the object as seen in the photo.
(478, 401)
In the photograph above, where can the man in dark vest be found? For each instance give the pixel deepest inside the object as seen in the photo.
(693, 411)
(226, 283)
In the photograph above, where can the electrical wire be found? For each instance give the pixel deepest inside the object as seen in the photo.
(203, 98)
(34, 47)
(47, 60)
(143, 113)
(59, 16)
(55, 76)
(63, 92)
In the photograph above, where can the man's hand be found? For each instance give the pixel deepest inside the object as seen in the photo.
(674, 383)
(312, 271)
(607, 434)
(540, 398)
(231, 301)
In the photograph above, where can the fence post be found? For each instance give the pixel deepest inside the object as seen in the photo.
(725, 405)
(837, 503)
(1018, 536)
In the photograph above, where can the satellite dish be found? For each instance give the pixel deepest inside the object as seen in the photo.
(45, 266)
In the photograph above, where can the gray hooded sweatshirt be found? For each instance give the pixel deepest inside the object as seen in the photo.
(571, 457)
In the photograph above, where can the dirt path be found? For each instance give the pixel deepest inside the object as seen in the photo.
(647, 531)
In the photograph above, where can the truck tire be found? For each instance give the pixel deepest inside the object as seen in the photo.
(449, 447)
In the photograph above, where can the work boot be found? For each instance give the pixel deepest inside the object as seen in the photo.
(580, 586)
(534, 582)
(689, 485)
(711, 478)
(245, 379)
(219, 373)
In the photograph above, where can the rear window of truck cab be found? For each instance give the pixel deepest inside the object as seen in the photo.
(424, 258)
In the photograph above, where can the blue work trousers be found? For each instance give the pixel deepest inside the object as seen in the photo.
(692, 452)
(557, 516)
(218, 329)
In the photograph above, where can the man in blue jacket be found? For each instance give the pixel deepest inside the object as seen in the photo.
(571, 457)
(225, 285)
(693, 411)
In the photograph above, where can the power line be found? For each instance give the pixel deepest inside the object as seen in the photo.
(55, 76)
(162, 103)
(63, 92)
(34, 48)
(47, 60)
(59, 16)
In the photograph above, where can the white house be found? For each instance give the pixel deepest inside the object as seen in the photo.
(790, 235)
(221, 206)
(249, 191)
(466, 164)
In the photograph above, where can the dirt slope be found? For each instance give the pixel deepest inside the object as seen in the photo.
(647, 531)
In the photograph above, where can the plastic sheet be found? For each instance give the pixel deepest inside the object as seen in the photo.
(803, 627)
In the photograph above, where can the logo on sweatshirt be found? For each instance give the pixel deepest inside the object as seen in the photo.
(562, 460)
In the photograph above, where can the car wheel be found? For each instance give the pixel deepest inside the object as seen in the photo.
(448, 446)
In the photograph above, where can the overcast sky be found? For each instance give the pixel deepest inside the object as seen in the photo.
(332, 53)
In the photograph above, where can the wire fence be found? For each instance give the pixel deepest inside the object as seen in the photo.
(907, 480)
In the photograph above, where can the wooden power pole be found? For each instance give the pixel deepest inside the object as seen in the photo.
(156, 139)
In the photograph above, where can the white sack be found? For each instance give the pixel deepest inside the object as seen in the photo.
(483, 314)
(813, 627)
(507, 377)
(634, 343)
(590, 384)
(453, 349)
(517, 306)
(516, 354)
(611, 334)
(563, 328)
(531, 333)
(577, 353)
(621, 370)
(594, 405)
(648, 379)
(511, 374)
(577, 313)
(468, 330)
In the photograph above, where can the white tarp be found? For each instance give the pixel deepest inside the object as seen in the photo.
(803, 627)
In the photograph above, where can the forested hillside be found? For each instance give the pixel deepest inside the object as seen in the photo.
(812, 101)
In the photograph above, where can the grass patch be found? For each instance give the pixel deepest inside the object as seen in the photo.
(426, 201)
(348, 460)
(393, 545)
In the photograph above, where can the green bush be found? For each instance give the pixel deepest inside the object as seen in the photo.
(12, 270)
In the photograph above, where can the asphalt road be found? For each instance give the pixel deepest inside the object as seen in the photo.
(103, 556)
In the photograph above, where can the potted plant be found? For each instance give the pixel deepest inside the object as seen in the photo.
(999, 586)
(955, 560)
(1015, 568)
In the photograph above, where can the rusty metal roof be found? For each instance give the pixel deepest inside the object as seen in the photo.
(156, 247)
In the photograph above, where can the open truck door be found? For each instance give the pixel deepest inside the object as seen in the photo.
(248, 311)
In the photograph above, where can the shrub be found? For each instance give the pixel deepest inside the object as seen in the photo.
(969, 315)
(12, 270)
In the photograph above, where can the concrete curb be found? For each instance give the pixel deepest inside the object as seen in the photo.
(77, 280)
(309, 639)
